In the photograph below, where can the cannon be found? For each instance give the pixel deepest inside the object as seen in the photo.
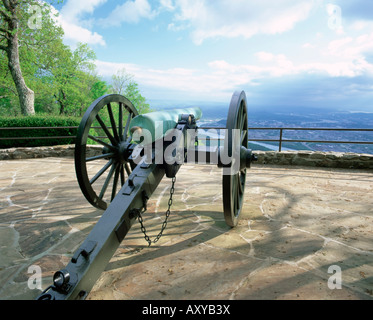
(137, 151)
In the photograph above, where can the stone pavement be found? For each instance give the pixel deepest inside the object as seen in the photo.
(298, 228)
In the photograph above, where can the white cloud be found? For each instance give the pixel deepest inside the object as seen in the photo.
(130, 12)
(335, 47)
(308, 46)
(264, 56)
(218, 78)
(75, 9)
(342, 58)
(174, 27)
(74, 26)
(167, 4)
(221, 77)
(360, 25)
(107, 69)
(269, 65)
(226, 18)
(75, 33)
(347, 56)
(184, 81)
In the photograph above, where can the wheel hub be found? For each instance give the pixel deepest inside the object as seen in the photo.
(124, 152)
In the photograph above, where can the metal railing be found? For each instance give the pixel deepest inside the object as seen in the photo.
(35, 128)
(281, 140)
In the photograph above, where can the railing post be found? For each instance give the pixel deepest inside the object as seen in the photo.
(280, 144)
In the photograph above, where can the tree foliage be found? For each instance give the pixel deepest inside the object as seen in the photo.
(123, 83)
(63, 81)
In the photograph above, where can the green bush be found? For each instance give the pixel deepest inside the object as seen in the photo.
(37, 121)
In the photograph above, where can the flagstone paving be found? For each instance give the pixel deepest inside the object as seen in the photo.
(299, 227)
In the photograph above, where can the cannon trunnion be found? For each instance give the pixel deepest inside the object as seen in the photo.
(137, 152)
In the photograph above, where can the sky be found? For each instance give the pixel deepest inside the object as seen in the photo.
(297, 53)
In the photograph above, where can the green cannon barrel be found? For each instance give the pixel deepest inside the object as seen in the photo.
(159, 122)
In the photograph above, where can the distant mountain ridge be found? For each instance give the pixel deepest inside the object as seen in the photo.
(215, 115)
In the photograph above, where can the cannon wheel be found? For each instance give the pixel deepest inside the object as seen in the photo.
(234, 184)
(106, 124)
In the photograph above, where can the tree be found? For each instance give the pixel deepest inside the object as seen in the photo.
(132, 93)
(123, 83)
(7, 89)
(40, 72)
(74, 78)
(99, 88)
(120, 81)
(24, 30)
(10, 14)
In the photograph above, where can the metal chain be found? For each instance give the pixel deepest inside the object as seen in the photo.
(164, 224)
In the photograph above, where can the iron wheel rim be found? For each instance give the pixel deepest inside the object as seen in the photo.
(116, 167)
(234, 184)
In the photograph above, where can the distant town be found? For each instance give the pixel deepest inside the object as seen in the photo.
(283, 117)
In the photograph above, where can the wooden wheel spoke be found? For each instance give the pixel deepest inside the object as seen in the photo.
(102, 142)
(107, 181)
(121, 121)
(239, 184)
(115, 182)
(108, 134)
(239, 121)
(112, 121)
(101, 172)
(243, 135)
(237, 202)
(125, 133)
(101, 156)
(128, 169)
(122, 178)
(243, 128)
(234, 190)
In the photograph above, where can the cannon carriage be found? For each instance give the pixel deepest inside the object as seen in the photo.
(137, 152)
